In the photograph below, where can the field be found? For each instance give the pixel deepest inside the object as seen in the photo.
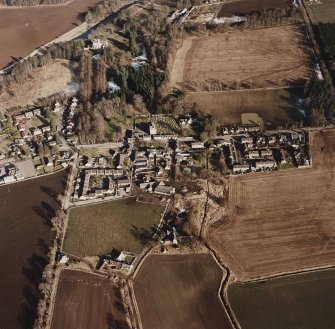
(47, 80)
(283, 220)
(297, 302)
(180, 291)
(275, 106)
(24, 29)
(324, 12)
(244, 7)
(24, 236)
(266, 57)
(87, 301)
(121, 224)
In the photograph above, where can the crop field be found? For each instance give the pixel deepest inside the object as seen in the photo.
(244, 7)
(44, 81)
(295, 302)
(121, 224)
(277, 222)
(87, 301)
(180, 291)
(275, 106)
(26, 208)
(324, 12)
(267, 57)
(323, 150)
(24, 29)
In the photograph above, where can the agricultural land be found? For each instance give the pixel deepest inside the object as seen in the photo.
(87, 301)
(323, 11)
(121, 224)
(180, 291)
(25, 29)
(274, 56)
(282, 214)
(277, 107)
(295, 301)
(26, 210)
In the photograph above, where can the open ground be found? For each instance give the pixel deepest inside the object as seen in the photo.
(279, 222)
(275, 106)
(295, 302)
(45, 81)
(87, 301)
(121, 224)
(180, 291)
(266, 57)
(241, 8)
(24, 236)
(22, 30)
(324, 11)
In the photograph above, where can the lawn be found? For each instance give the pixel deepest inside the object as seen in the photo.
(121, 224)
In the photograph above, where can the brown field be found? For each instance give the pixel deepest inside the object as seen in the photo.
(87, 301)
(244, 7)
(279, 222)
(45, 81)
(265, 57)
(299, 301)
(323, 149)
(121, 224)
(24, 29)
(24, 238)
(180, 291)
(275, 106)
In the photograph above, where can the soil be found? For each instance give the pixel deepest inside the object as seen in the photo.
(244, 7)
(180, 291)
(45, 81)
(275, 56)
(22, 30)
(26, 208)
(87, 301)
(295, 302)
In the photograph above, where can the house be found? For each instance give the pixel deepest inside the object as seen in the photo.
(247, 140)
(197, 145)
(241, 168)
(161, 188)
(266, 153)
(265, 164)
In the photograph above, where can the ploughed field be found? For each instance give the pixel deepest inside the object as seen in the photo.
(296, 301)
(24, 29)
(245, 7)
(122, 224)
(324, 11)
(275, 106)
(180, 291)
(280, 221)
(266, 57)
(26, 208)
(87, 301)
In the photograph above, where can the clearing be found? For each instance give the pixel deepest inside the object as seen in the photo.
(23, 29)
(50, 79)
(180, 291)
(120, 224)
(244, 7)
(26, 208)
(277, 56)
(323, 150)
(324, 11)
(87, 301)
(275, 106)
(295, 302)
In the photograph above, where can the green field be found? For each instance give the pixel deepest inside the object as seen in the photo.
(324, 12)
(302, 301)
(121, 224)
(275, 106)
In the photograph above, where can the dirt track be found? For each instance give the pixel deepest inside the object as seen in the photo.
(264, 57)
